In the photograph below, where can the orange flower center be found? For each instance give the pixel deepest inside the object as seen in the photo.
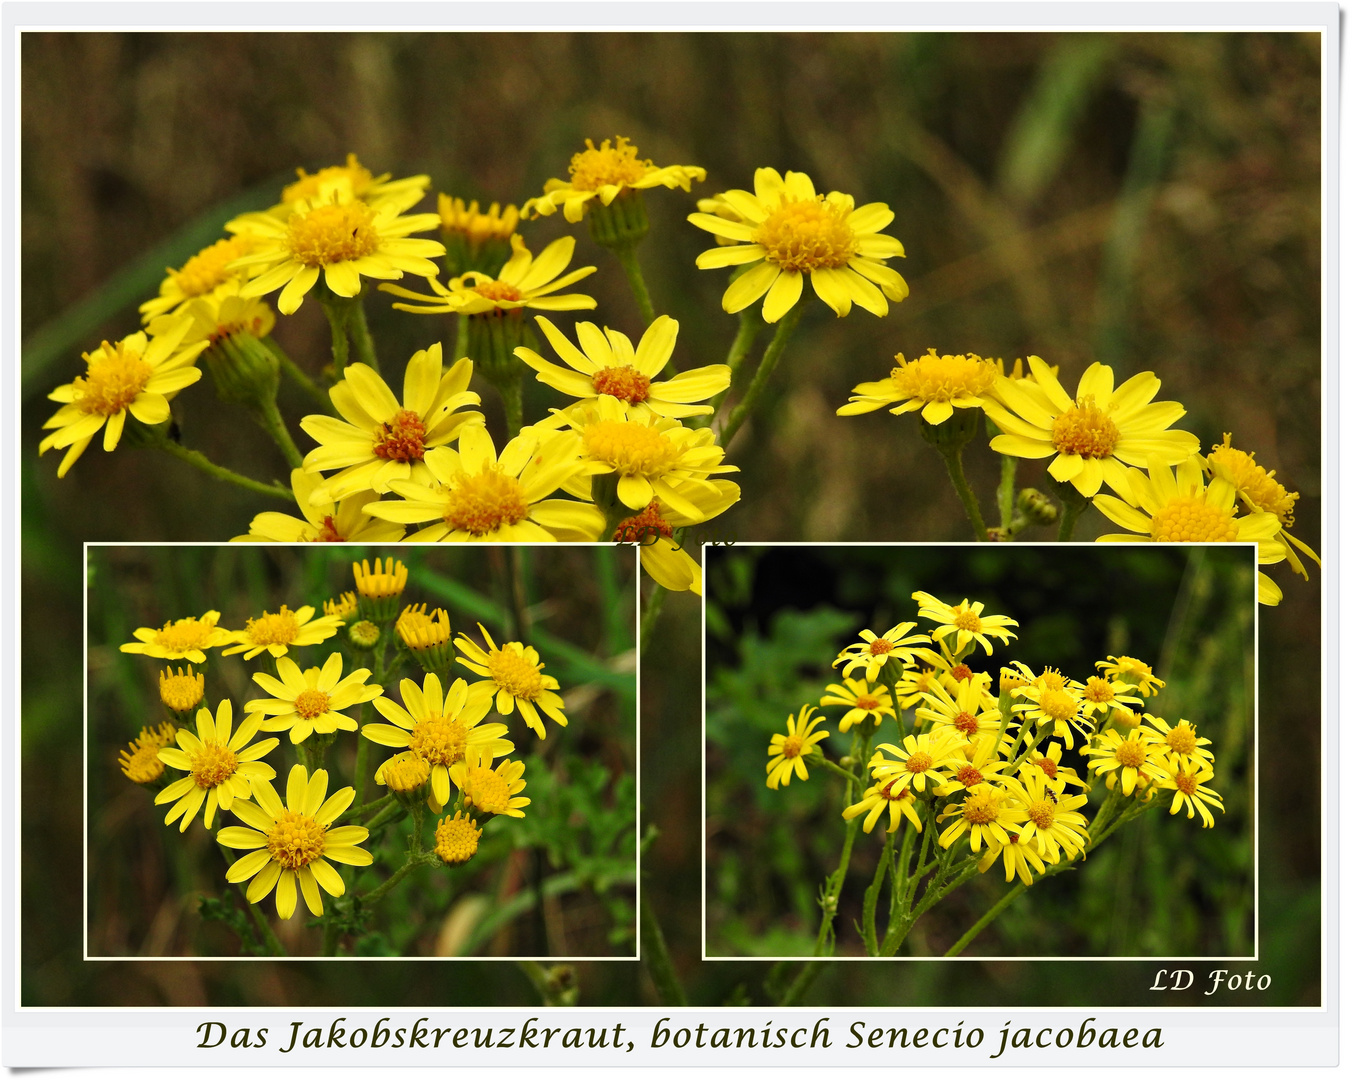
(624, 382)
(1042, 813)
(295, 840)
(1131, 754)
(1085, 430)
(643, 528)
(498, 290)
(115, 377)
(919, 762)
(311, 703)
(966, 723)
(1048, 766)
(332, 233)
(981, 807)
(213, 764)
(439, 740)
(631, 449)
(1186, 783)
(401, 439)
(868, 704)
(1182, 739)
(328, 532)
(879, 647)
(793, 746)
(808, 235)
(483, 503)
(968, 776)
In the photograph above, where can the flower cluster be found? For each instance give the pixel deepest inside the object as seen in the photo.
(982, 765)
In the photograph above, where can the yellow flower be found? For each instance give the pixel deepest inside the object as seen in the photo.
(438, 730)
(1053, 823)
(934, 384)
(476, 495)
(966, 621)
(200, 276)
(492, 790)
(404, 774)
(420, 631)
(1136, 673)
(787, 751)
(1122, 760)
(457, 838)
(1096, 435)
(969, 711)
(356, 181)
(380, 584)
(141, 762)
(525, 281)
(183, 639)
(1054, 701)
(326, 521)
(788, 230)
(603, 173)
(219, 314)
(608, 364)
(873, 651)
(137, 374)
(275, 633)
(1180, 507)
(291, 844)
(380, 439)
(1107, 696)
(1019, 858)
(1182, 739)
(1057, 776)
(863, 702)
(337, 235)
(180, 691)
(515, 676)
(477, 228)
(894, 796)
(1261, 492)
(653, 529)
(220, 766)
(1186, 778)
(988, 815)
(310, 701)
(918, 759)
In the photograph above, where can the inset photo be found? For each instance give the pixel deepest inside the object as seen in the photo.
(1018, 751)
(353, 751)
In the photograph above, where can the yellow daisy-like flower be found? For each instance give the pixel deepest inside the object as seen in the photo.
(607, 364)
(336, 235)
(312, 700)
(603, 173)
(1056, 775)
(380, 439)
(1135, 673)
(653, 528)
(420, 631)
(200, 276)
(918, 760)
(382, 582)
(440, 731)
(873, 651)
(183, 639)
(458, 837)
(890, 795)
(140, 762)
(292, 844)
(988, 815)
(282, 630)
(1096, 435)
(1121, 760)
(652, 455)
(488, 788)
(788, 230)
(474, 494)
(914, 684)
(863, 701)
(515, 678)
(181, 691)
(980, 764)
(404, 774)
(1181, 507)
(526, 281)
(1182, 739)
(221, 313)
(325, 522)
(342, 608)
(1053, 824)
(1106, 696)
(966, 621)
(356, 181)
(1019, 858)
(136, 375)
(1057, 702)
(1261, 492)
(787, 751)
(220, 766)
(969, 712)
(1186, 778)
(933, 384)
(495, 223)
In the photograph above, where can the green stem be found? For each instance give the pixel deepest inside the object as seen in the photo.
(952, 456)
(1070, 514)
(987, 919)
(650, 613)
(556, 985)
(509, 390)
(271, 421)
(199, 460)
(360, 811)
(336, 311)
(870, 928)
(297, 376)
(363, 752)
(831, 896)
(657, 959)
(749, 323)
(769, 361)
(1005, 493)
(392, 811)
(269, 938)
(802, 982)
(461, 337)
(363, 348)
(380, 891)
(516, 589)
(628, 256)
(851, 777)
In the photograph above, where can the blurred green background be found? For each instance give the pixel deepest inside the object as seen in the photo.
(777, 618)
(558, 882)
(1152, 201)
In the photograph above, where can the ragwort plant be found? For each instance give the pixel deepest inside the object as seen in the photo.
(982, 776)
(444, 706)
